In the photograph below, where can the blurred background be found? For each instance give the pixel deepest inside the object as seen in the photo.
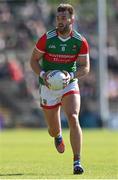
(22, 22)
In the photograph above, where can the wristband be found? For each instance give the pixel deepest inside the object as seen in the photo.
(42, 73)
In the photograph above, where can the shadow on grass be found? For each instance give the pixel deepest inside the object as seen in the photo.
(15, 174)
(39, 175)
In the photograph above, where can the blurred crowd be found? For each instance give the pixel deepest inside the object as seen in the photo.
(22, 23)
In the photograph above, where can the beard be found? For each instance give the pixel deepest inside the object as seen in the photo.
(63, 29)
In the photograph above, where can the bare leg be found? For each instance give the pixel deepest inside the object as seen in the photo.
(71, 106)
(52, 117)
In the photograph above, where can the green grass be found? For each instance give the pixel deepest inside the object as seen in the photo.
(30, 154)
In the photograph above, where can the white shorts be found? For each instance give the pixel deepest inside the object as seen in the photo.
(50, 99)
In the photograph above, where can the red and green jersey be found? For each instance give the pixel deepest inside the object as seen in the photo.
(59, 53)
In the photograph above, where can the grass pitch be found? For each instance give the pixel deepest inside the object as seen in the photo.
(30, 154)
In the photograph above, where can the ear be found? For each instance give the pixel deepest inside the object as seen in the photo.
(72, 20)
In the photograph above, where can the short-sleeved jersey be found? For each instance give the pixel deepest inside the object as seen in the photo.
(59, 53)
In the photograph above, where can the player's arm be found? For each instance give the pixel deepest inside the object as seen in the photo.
(35, 58)
(37, 54)
(83, 66)
(83, 62)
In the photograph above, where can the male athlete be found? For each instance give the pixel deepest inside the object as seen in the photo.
(62, 48)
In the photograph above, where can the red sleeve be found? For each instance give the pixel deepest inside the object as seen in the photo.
(41, 43)
(84, 47)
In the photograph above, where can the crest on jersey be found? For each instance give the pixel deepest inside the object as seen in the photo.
(63, 47)
(74, 47)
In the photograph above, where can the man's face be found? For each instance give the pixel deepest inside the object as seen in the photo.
(63, 21)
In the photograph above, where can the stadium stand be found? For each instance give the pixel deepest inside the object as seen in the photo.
(21, 24)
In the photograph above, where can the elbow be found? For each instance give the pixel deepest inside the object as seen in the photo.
(32, 64)
(87, 70)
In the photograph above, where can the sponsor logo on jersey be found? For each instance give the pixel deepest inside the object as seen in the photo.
(43, 101)
(62, 58)
(52, 46)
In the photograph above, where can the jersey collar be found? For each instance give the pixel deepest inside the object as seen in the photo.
(65, 39)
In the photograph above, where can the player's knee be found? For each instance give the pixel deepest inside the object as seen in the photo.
(73, 120)
(53, 132)
(72, 116)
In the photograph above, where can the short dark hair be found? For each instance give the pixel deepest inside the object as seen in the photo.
(66, 7)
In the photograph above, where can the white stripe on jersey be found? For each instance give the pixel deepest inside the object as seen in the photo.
(84, 55)
(51, 34)
(39, 50)
(77, 37)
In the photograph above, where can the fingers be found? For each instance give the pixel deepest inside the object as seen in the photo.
(67, 75)
(65, 79)
(44, 77)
